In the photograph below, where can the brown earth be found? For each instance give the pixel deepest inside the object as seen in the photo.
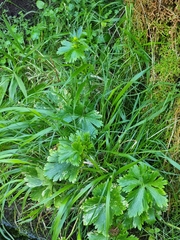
(15, 6)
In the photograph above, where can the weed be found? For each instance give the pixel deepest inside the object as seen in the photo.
(81, 135)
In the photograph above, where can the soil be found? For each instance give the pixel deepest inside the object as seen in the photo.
(13, 7)
(27, 231)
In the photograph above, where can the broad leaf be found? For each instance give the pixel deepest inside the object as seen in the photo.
(96, 236)
(145, 189)
(61, 171)
(42, 193)
(86, 121)
(94, 209)
(117, 203)
(35, 178)
(65, 162)
(66, 46)
(129, 183)
(40, 4)
(136, 199)
(158, 195)
(70, 153)
(90, 121)
(95, 213)
(126, 237)
(33, 182)
(41, 187)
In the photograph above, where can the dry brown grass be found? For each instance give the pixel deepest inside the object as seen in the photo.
(160, 20)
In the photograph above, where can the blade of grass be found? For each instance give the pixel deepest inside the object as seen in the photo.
(21, 84)
(16, 42)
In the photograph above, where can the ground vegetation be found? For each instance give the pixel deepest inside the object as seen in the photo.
(89, 120)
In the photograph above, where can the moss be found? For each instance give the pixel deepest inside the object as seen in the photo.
(159, 20)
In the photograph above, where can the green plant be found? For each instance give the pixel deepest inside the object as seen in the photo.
(81, 137)
(145, 195)
(76, 48)
(65, 163)
(144, 202)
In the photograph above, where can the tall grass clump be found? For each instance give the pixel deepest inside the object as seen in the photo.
(81, 135)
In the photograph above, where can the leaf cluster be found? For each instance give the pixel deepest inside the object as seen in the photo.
(98, 212)
(65, 162)
(145, 194)
(144, 200)
(74, 49)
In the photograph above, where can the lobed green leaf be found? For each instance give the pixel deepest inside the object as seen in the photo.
(61, 171)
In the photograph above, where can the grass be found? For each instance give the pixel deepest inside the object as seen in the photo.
(46, 98)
